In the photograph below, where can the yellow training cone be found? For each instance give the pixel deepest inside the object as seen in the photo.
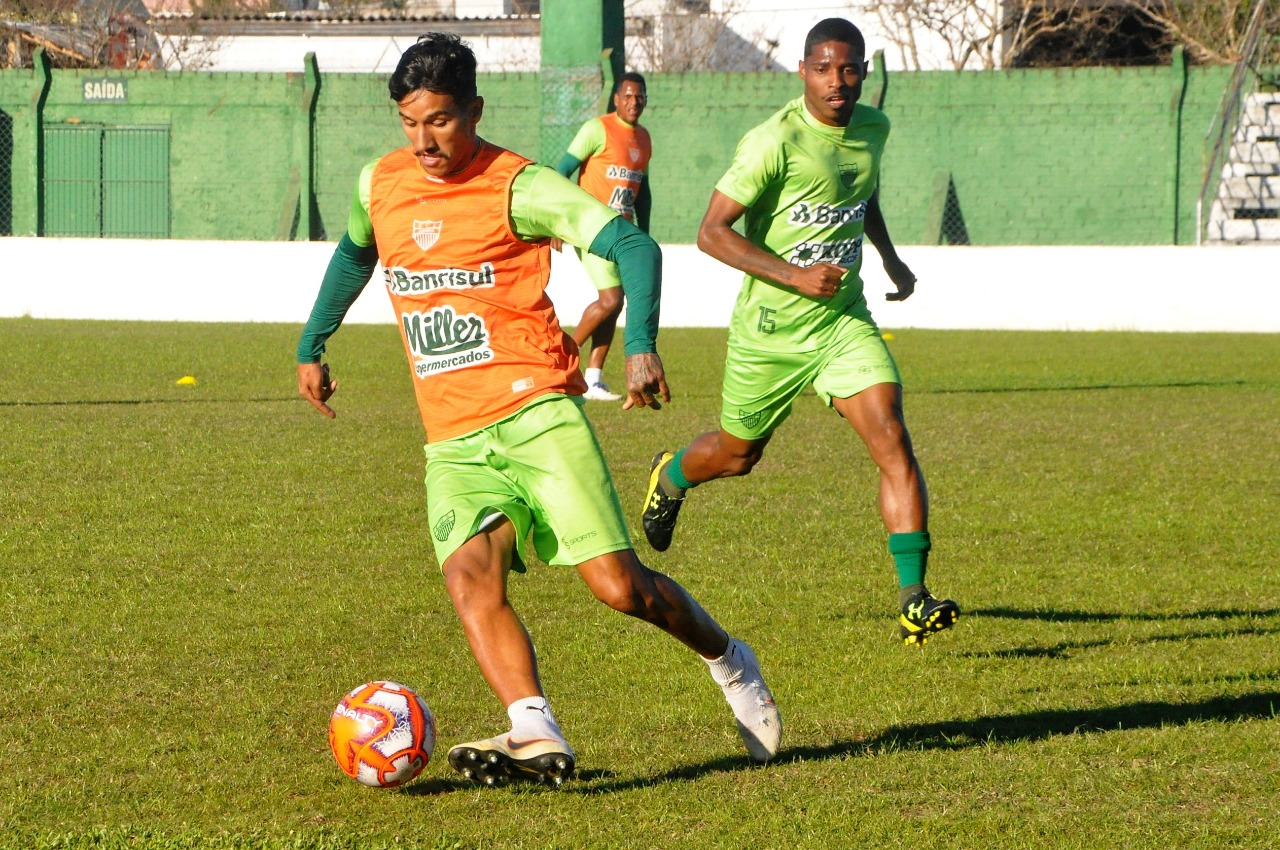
(187, 381)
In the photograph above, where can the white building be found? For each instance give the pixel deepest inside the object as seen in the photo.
(666, 35)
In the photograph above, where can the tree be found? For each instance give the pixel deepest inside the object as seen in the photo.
(694, 35)
(1023, 33)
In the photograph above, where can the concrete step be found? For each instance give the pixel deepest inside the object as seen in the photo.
(1254, 152)
(1262, 230)
(1262, 108)
(1263, 134)
(1250, 189)
(1250, 169)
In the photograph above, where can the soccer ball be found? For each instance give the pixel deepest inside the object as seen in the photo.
(382, 734)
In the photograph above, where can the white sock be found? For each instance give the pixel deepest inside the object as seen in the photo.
(531, 718)
(727, 668)
(594, 376)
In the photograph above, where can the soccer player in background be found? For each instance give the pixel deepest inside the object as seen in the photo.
(806, 181)
(613, 154)
(462, 229)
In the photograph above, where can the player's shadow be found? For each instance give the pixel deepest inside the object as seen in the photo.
(1063, 649)
(978, 732)
(982, 731)
(1069, 616)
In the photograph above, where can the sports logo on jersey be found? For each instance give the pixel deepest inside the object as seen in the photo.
(402, 281)
(842, 252)
(634, 153)
(827, 214)
(426, 233)
(441, 340)
(848, 174)
(621, 172)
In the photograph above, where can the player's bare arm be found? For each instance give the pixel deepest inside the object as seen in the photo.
(646, 382)
(717, 238)
(315, 386)
(878, 232)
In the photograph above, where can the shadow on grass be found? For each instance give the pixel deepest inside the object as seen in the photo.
(1055, 616)
(955, 735)
(1158, 385)
(1062, 649)
(126, 402)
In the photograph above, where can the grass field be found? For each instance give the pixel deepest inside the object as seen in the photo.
(193, 576)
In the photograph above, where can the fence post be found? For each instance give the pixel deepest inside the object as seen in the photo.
(879, 79)
(307, 193)
(1177, 98)
(574, 35)
(35, 181)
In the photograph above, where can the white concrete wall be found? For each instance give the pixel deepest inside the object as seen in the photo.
(1027, 288)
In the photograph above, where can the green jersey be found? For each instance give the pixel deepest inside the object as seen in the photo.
(805, 186)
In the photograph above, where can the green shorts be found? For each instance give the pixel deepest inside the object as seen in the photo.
(543, 469)
(760, 387)
(602, 273)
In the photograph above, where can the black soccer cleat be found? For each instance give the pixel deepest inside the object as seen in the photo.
(660, 510)
(923, 615)
(495, 762)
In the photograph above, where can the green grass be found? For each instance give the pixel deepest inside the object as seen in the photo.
(193, 576)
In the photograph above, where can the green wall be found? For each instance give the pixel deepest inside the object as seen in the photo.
(1037, 157)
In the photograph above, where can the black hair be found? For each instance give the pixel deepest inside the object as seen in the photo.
(835, 29)
(440, 62)
(630, 77)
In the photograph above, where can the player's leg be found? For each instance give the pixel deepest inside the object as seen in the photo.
(619, 580)
(861, 382)
(711, 455)
(578, 520)
(599, 323)
(477, 519)
(759, 389)
(534, 749)
(876, 414)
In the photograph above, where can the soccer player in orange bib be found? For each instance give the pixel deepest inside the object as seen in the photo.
(462, 229)
(613, 153)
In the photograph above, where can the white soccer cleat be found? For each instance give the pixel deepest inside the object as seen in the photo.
(600, 392)
(497, 761)
(759, 722)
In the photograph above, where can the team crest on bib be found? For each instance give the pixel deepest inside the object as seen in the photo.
(426, 233)
(634, 153)
(848, 175)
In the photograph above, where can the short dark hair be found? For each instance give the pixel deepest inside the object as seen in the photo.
(629, 77)
(835, 29)
(440, 62)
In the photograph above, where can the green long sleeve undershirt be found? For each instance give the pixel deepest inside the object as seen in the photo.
(639, 260)
(349, 270)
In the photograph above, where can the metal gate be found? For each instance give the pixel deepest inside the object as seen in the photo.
(106, 181)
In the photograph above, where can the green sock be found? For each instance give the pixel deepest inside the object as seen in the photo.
(910, 553)
(671, 478)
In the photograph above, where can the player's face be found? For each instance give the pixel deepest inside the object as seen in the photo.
(629, 101)
(442, 134)
(833, 73)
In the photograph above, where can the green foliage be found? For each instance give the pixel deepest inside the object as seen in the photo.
(194, 574)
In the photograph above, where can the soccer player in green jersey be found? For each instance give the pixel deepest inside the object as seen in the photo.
(806, 182)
